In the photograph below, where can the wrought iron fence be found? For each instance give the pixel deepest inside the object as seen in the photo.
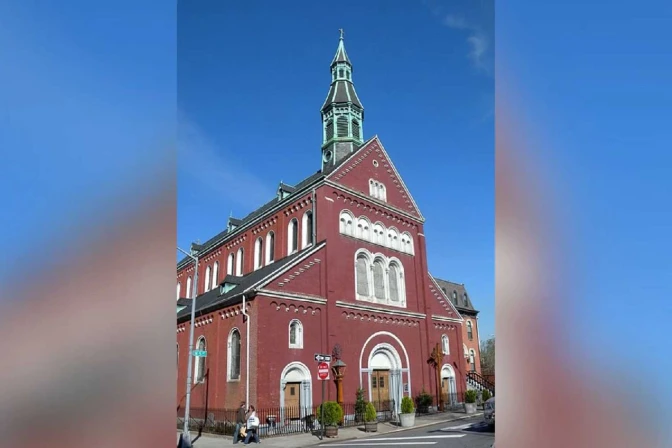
(277, 421)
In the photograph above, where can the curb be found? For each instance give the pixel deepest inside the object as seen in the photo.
(423, 425)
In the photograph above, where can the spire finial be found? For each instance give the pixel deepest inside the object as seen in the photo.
(342, 33)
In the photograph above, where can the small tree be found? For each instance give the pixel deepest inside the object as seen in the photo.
(333, 413)
(423, 401)
(488, 357)
(370, 414)
(407, 405)
(485, 395)
(470, 396)
(360, 405)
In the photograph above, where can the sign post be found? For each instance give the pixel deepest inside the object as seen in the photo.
(322, 375)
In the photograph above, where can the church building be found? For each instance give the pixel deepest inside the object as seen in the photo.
(335, 264)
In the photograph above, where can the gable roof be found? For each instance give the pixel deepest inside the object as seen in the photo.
(373, 144)
(447, 287)
(213, 299)
(449, 303)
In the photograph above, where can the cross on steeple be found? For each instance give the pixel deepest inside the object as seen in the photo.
(342, 32)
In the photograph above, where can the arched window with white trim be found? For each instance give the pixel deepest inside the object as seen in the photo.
(215, 274)
(379, 234)
(445, 345)
(346, 223)
(470, 330)
(393, 236)
(472, 360)
(206, 283)
(188, 291)
(394, 278)
(239, 262)
(179, 286)
(258, 246)
(382, 192)
(379, 279)
(408, 248)
(234, 355)
(229, 264)
(199, 362)
(363, 228)
(270, 247)
(362, 275)
(307, 229)
(292, 236)
(295, 334)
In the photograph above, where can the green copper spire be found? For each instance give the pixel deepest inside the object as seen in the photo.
(342, 112)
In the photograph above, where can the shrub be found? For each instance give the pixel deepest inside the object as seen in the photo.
(470, 396)
(333, 413)
(407, 405)
(485, 395)
(370, 415)
(424, 400)
(360, 405)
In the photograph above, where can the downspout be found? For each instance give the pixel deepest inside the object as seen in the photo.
(247, 353)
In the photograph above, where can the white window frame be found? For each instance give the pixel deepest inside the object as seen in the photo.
(445, 344)
(270, 241)
(258, 252)
(215, 274)
(179, 287)
(306, 230)
(197, 367)
(239, 262)
(230, 263)
(299, 334)
(386, 261)
(470, 326)
(290, 236)
(229, 367)
(206, 282)
(188, 295)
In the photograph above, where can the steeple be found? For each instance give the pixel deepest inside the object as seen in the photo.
(342, 112)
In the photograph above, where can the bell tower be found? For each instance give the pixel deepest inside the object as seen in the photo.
(342, 112)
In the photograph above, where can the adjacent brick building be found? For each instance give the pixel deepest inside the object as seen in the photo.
(336, 261)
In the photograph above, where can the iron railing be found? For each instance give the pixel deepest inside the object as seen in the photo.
(277, 421)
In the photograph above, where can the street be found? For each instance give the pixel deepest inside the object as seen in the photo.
(473, 433)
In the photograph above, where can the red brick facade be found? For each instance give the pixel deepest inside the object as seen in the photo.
(319, 290)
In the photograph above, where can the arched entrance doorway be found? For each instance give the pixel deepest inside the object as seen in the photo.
(448, 385)
(385, 381)
(296, 392)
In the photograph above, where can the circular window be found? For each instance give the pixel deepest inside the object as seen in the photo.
(375, 163)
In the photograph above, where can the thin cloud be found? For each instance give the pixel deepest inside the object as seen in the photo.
(207, 164)
(456, 22)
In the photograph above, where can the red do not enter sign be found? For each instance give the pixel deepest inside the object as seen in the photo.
(323, 370)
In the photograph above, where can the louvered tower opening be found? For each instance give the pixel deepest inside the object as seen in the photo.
(355, 129)
(330, 130)
(342, 126)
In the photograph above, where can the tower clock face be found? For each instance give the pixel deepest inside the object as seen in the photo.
(327, 156)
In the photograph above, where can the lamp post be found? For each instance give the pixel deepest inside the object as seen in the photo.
(339, 371)
(193, 254)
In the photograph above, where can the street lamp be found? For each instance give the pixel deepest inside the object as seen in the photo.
(193, 254)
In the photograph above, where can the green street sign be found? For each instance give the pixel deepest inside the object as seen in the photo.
(201, 353)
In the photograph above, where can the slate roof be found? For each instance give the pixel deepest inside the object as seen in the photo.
(448, 288)
(342, 92)
(212, 299)
(308, 181)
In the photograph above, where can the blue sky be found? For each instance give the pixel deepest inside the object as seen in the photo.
(251, 79)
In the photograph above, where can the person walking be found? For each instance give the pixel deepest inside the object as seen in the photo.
(240, 423)
(252, 426)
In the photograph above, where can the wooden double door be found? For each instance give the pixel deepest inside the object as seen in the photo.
(380, 390)
(293, 401)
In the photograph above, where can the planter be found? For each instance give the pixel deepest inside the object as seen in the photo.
(331, 431)
(470, 408)
(407, 420)
(371, 427)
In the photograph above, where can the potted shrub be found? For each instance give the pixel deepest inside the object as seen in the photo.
(485, 396)
(370, 418)
(407, 415)
(423, 401)
(360, 406)
(470, 401)
(333, 413)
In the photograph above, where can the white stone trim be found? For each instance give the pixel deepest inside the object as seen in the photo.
(400, 313)
(445, 319)
(292, 296)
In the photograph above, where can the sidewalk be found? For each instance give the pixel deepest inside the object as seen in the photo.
(307, 440)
